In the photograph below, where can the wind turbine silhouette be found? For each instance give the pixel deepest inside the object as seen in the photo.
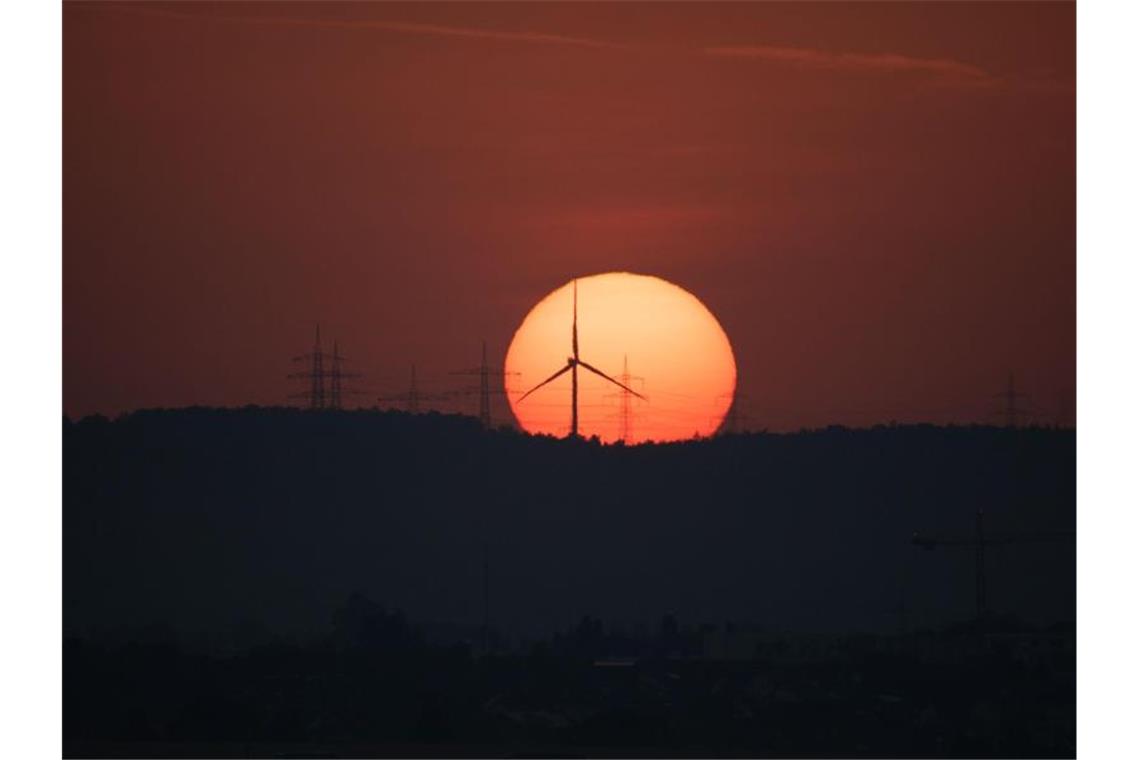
(572, 364)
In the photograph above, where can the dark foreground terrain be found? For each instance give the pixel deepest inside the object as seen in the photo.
(270, 582)
(375, 688)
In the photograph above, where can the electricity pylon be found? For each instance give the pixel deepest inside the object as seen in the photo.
(411, 400)
(625, 410)
(319, 395)
(1011, 410)
(485, 373)
(734, 420)
(337, 375)
(315, 374)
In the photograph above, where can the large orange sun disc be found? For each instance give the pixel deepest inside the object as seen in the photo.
(645, 332)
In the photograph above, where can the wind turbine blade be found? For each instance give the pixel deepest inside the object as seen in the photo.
(547, 380)
(575, 331)
(598, 372)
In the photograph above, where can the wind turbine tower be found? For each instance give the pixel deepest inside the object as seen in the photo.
(572, 363)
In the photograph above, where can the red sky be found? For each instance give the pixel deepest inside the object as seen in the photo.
(877, 201)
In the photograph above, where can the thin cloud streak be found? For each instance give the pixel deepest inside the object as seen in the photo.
(947, 71)
(864, 62)
(452, 31)
(402, 27)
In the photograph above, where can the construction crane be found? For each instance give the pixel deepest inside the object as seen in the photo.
(979, 541)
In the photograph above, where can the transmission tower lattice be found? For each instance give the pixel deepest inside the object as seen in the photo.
(315, 374)
(625, 398)
(319, 395)
(1010, 397)
(735, 421)
(337, 375)
(485, 373)
(411, 400)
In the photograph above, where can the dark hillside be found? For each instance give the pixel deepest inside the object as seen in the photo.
(210, 522)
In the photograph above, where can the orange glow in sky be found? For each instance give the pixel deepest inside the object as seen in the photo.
(678, 356)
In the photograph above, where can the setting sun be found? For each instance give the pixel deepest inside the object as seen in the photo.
(643, 332)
